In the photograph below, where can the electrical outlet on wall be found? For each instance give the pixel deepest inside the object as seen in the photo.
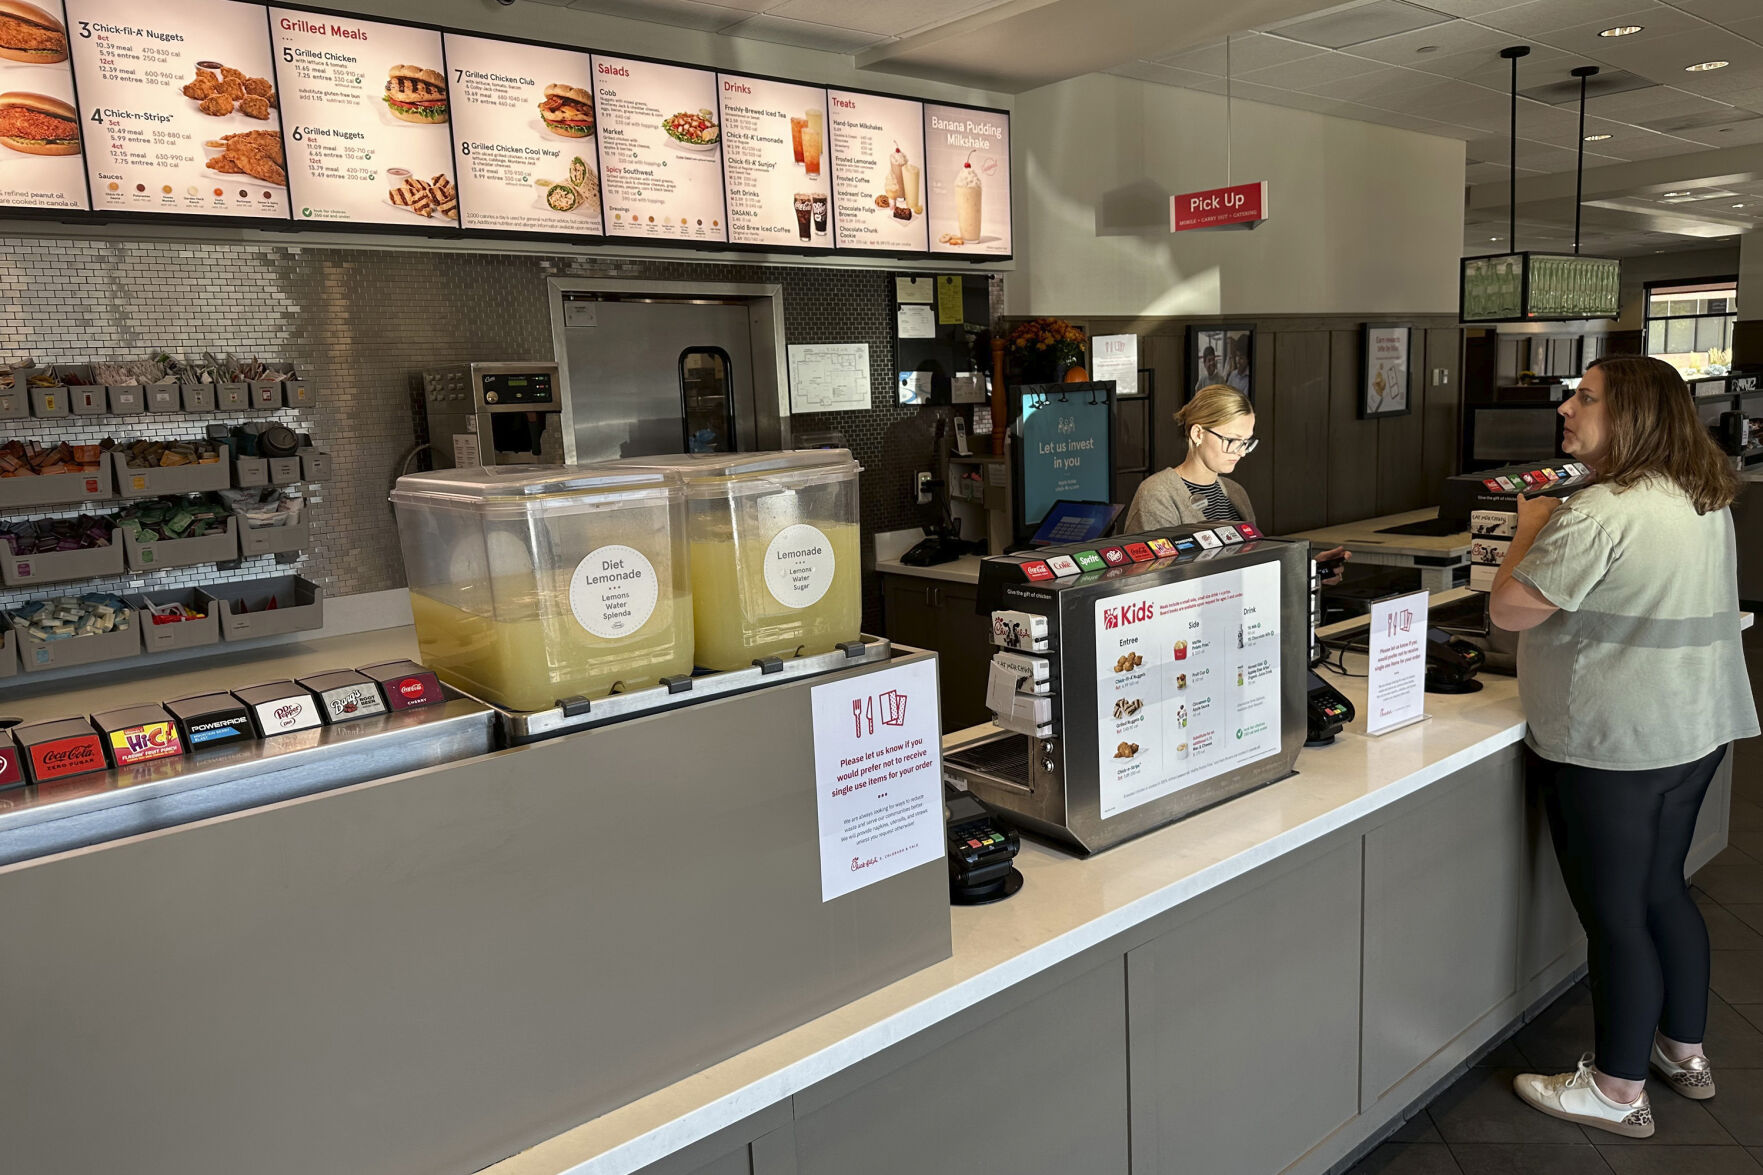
(922, 481)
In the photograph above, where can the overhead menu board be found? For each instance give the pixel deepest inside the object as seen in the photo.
(774, 163)
(523, 132)
(180, 107)
(660, 143)
(366, 106)
(40, 164)
(878, 172)
(967, 156)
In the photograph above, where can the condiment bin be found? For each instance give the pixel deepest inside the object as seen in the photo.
(36, 655)
(284, 470)
(275, 540)
(50, 401)
(298, 393)
(126, 399)
(55, 488)
(314, 465)
(151, 554)
(15, 402)
(181, 634)
(88, 400)
(530, 584)
(299, 606)
(175, 479)
(168, 397)
(250, 472)
(233, 396)
(265, 393)
(197, 397)
(775, 551)
(61, 566)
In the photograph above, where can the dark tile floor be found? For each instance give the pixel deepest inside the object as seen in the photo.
(1479, 1127)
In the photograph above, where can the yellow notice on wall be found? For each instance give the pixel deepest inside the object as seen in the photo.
(949, 307)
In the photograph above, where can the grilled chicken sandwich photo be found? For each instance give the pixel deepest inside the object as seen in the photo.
(415, 94)
(568, 111)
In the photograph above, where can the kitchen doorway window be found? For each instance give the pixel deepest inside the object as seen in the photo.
(707, 397)
(1688, 320)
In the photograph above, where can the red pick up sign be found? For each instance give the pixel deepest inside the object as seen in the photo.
(1241, 206)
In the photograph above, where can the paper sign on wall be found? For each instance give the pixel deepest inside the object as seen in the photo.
(829, 377)
(1395, 686)
(878, 776)
(1116, 357)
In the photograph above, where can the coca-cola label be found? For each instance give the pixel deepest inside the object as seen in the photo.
(295, 712)
(63, 757)
(419, 689)
(352, 702)
(11, 770)
(140, 744)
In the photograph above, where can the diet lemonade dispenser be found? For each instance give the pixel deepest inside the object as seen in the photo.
(530, 584)
(1139, 680)
(774, 552)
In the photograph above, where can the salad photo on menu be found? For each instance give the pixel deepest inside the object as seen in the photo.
(39, 127)
(660, 150)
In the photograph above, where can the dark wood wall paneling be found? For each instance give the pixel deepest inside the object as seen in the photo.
(1318, 463)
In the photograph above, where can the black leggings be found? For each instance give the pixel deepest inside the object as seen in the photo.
(1622, 838)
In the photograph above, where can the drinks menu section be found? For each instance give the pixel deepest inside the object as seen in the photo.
(40, 164)
(660, 140)
(181, 113)
(774, 163)
(878, 172)
(367, 107)
(967, 153)
(523, 129)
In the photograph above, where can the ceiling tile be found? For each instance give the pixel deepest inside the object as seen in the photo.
(1187, 79)
(1311, 73)
(1459, 36)
(684, 14)
(889, 19)
(1534, 18)
(1751, 27)
(1361, 23)
(1486, 67)
(1743, 134)
(1664, 59)
(1472, 8)
(1658, 102)
(1722, 12)
(1647, 145)
(1382, 84)
(782, 31)
(1249, 52)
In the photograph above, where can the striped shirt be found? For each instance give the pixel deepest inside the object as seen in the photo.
(1214, 499)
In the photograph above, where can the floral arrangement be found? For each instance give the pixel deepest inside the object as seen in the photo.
(1047, 344)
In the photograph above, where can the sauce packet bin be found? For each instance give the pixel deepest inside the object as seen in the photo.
(164, 397)
(51, 401)
(61, 566)
(56, 488)
(299, 606)
(274, 540)
(37, 656)
(15, 402)
(197, 397)
(126, 399)
(184, 634)
(176, 479)
(156, 553)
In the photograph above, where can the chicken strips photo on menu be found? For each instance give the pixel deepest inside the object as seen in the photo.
(257, 154)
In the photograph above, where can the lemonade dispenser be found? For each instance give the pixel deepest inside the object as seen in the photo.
(531, 583)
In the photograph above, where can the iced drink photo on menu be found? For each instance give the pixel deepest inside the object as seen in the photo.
(877, 148)
(812, 133)
(774, 151)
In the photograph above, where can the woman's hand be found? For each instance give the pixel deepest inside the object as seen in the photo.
(1533, 513)
(1330, 556)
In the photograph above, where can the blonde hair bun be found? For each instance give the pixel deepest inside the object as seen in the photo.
(1213, 407)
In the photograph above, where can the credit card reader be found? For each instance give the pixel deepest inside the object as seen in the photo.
(1327, 712)
(982, 850)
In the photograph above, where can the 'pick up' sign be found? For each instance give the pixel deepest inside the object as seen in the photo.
(1242, 206)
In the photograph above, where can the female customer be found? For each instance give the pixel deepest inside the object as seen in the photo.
(1633, 683)
(1220, 426)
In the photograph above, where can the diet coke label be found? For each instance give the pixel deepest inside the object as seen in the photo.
(63, 757)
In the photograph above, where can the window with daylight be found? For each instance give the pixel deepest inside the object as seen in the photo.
(1688, 320)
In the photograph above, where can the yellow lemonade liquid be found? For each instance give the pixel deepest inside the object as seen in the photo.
(527, 652)
(736, 616)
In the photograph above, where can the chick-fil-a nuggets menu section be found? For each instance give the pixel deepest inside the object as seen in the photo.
(878, 171)
(523, 129)
(775, 163)
(366, 106)
(967, 152)
(660, 142)
(40, 164)
(181, 113)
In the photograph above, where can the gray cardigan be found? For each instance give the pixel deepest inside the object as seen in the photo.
(1163, 500)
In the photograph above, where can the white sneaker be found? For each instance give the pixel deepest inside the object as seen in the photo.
(1693, 1078)
(1575, 1097)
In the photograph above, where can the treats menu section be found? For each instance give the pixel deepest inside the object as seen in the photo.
(775, 162)
(40, 161)
(366, 108)
(967, 154)
(180, 108)
(523, 130)
(660, 140)
(878, 172)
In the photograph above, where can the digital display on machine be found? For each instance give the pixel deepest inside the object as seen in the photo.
(518, 389)
(1075, 522)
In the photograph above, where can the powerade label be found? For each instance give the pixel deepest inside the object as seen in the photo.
(220, 730)
(1089, 561)
(140, 744)
(1186, 546)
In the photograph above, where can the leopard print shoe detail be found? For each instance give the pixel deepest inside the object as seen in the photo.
(1641, 1117)
(1693, 1078)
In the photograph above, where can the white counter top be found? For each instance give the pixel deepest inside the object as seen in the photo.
(1367, 534)
(962, 570)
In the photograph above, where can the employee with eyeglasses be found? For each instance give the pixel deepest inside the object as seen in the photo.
(1220, 426)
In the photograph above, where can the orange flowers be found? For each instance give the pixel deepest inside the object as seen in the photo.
(1055, 335)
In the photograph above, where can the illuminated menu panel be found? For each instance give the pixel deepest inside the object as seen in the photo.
(660, 150)
(775, 163)
(523, 130)
(40, 164)
(367, 110)
(878, 172)
(967, 154)
(180, 108)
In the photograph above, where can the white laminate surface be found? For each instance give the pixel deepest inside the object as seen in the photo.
(1365, 534)
(962, 570)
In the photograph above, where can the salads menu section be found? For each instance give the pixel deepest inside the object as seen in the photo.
(660, 142)
(967, 153)
(180, 108)
(366, 109)
(523, 131)
(878, 172)
(775, 163)
(40, 164)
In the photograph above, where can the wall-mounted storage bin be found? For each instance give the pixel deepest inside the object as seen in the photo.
(46, 402)
(88, 400)
(183, 634)
(299, 393)
(284, 470)
(249, 472)
(197, 397)
(35, 656)
(126, 399)
(274, 540)
(60, 566)
(157, 553)
(299, 606)
(56, 488)
(177, 479)
(232, 397)
(164, 397)
(315, 466)
(266, 393)
(15, 402)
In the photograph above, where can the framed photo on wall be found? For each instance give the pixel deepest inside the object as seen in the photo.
(1221, 355)
(1384, 351)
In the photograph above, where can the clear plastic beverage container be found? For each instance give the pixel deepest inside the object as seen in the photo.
(532, 583)
(775, 551)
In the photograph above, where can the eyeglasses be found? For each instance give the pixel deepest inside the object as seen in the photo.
(1235, 446)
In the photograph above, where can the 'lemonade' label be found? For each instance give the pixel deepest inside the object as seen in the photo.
(799, 566)
(613, 591)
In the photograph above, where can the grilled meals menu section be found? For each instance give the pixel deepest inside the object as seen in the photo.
(775, 163)
(878, 172)
(181, 113)
(366, 107)
(40, 164)
(660, 150)
(523, 130)
(967, 154)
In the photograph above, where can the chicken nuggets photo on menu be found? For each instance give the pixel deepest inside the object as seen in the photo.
(217, 105)
(251, 106)
(200, 89)
(228, 73)
(233, 88)
(259, 87)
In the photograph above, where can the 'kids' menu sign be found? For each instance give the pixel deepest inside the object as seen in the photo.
(40, 164)
(967, 154)
(366, 106)
(775, 164)
(181, 113)
(660, 139)
(523, 129)
(878, 172)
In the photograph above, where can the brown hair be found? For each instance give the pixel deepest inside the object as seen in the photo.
(1654, 431)
(1213, 406)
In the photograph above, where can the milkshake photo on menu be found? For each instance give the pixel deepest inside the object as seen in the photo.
(774, 161)
(878, 171)
(968, 153)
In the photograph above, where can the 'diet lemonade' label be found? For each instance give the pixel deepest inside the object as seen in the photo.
(613, 591)
(799, 566)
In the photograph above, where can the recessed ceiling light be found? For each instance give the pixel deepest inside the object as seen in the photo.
(1738, 205)
(1427, 49)
(1596, 138)
(1668, 195)
(1706, 66)
(1493, 238)
(1622, 30)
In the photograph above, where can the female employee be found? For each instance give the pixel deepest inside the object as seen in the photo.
(1220, 426)
(1633, 683)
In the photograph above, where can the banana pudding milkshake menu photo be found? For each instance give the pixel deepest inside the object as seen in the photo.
(368, 111)
(878, 172)
(660, 139)
(40, 164)
(775, 163)
(968, 154)
(181, 112)
(523, 126)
